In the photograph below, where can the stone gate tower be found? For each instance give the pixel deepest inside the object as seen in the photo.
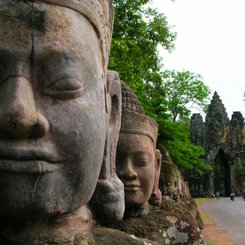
(224, 142)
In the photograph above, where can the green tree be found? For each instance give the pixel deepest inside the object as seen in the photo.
(183, 90)
(138, 31)
(176, 138)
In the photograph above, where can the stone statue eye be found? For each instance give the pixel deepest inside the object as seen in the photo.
(66, 84)
(141, 161)
(66, 88)
(142, 158)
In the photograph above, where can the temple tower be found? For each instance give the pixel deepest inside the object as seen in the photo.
(224, 142)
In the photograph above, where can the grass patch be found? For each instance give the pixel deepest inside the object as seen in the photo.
(206, 219)
(200, 201)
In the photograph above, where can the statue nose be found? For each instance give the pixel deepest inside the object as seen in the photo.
(19, 117)
(127, 170)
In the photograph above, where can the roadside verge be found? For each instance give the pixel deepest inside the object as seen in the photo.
(213, 234)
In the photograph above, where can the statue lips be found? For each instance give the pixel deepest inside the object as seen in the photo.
(29, 160)
(131, 186)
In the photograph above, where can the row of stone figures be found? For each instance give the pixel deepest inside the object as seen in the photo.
(60, 116)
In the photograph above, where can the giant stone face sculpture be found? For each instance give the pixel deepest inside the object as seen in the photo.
(54, 114)
(137, 164)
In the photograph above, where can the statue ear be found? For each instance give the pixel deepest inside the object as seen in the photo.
(114, 110)
(156, 196)
(107, 203)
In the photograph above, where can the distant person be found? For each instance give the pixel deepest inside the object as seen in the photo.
(243, 194)
(233, 195)
(217, 195)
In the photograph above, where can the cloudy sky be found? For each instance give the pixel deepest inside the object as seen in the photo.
(211, 42)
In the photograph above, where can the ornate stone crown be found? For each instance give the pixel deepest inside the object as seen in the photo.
(100, 15)
(133, 118)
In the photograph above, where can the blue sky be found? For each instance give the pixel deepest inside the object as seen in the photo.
(210, 42)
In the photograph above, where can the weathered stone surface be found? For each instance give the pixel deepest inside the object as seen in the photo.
(137, 161)
(197, 129)
(171, 181)
(59, 119)
(172, 223)
(224, 141)
(177, 220)
(216, 122)
(97, 235)
(107, 203)
(174, 187)
(106, 236)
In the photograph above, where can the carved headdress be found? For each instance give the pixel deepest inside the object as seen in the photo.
(134, 119)
(99, 13)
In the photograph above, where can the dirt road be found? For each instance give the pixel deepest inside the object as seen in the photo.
(230, 216)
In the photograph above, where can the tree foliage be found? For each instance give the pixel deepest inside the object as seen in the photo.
(183, 89)
(138, 31)
(176, 138)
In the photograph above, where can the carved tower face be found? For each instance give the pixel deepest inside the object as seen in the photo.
(52, 109)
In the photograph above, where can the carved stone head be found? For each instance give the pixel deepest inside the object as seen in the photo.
(55, 110)
(137, 163)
